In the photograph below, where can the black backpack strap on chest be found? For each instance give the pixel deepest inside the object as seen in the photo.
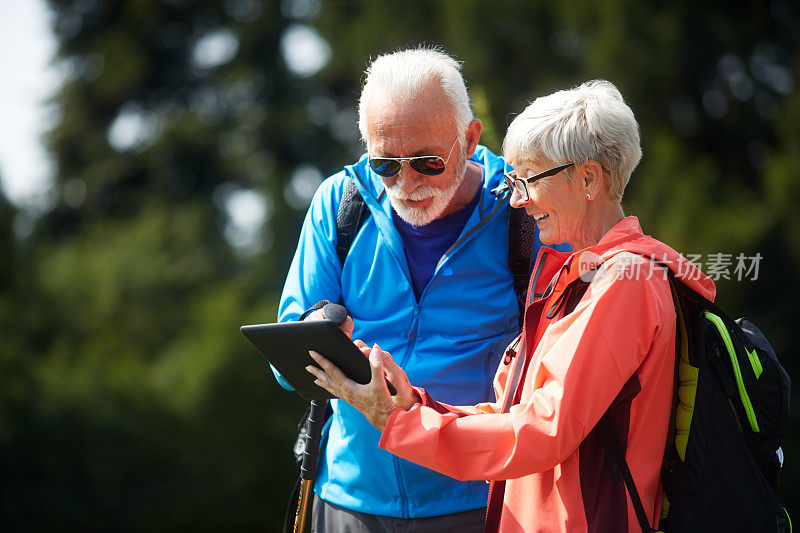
(521, 233)
(353, 211)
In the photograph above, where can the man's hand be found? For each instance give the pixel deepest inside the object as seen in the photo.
(372, 399)
(346, 326)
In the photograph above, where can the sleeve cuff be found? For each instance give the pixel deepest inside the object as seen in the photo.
(426, 398)
(388, 427)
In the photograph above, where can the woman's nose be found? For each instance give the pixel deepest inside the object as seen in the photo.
(516, 200)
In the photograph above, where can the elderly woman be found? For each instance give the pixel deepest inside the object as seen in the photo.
(598, 338)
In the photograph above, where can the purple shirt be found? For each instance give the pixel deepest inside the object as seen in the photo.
(425, 245)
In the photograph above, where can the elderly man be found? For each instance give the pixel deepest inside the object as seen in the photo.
(426, 276)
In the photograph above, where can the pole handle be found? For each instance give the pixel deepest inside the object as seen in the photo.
(316, 419)
(308, 467)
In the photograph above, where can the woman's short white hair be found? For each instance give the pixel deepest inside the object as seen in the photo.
(588, 122)
(404, 74)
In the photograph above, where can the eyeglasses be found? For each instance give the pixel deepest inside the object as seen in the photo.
(429, 165)
(518, 184)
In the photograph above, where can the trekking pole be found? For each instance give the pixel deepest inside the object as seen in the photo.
(308, 468)
(316, 420)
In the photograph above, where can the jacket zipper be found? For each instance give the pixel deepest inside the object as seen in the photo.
(412, 341)
(412, 332)
(401, 484)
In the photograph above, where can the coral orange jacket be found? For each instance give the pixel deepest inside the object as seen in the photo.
(613, 352)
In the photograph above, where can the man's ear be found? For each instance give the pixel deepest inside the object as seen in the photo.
(592, 179)
(473, 136)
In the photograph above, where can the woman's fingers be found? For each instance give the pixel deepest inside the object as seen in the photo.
(376, 365)
(360, 344)
(391, 368)
(404, 396)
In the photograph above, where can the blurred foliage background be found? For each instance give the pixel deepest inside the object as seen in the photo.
(190, 137)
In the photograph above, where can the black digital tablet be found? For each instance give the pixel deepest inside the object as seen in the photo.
(286, 346)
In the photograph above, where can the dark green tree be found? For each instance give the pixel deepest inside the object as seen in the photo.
(143, 406)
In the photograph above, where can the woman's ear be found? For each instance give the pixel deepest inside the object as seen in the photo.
(592, 179)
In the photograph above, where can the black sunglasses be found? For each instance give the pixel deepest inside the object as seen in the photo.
(518, 184)
(429, 165)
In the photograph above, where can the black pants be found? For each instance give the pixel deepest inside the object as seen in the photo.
(330, 518)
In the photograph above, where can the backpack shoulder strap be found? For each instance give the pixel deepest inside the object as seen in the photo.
(521, 234)
(353, 211)
(619, 466)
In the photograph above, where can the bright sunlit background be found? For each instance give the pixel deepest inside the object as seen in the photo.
(30, 78)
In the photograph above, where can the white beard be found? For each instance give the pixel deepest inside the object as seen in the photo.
(421, 216)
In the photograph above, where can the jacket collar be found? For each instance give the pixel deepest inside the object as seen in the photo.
(627, 236)
(550, 262)
(623, 231)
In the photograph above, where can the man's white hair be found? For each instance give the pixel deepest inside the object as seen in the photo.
(588, 122)
(402, 75)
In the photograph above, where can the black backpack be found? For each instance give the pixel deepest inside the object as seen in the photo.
(730, 415)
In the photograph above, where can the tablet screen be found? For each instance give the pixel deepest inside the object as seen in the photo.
(286, 346)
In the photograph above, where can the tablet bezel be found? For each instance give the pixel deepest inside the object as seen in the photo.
(286, 346)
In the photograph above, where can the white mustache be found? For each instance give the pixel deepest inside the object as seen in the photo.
(420, 193)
